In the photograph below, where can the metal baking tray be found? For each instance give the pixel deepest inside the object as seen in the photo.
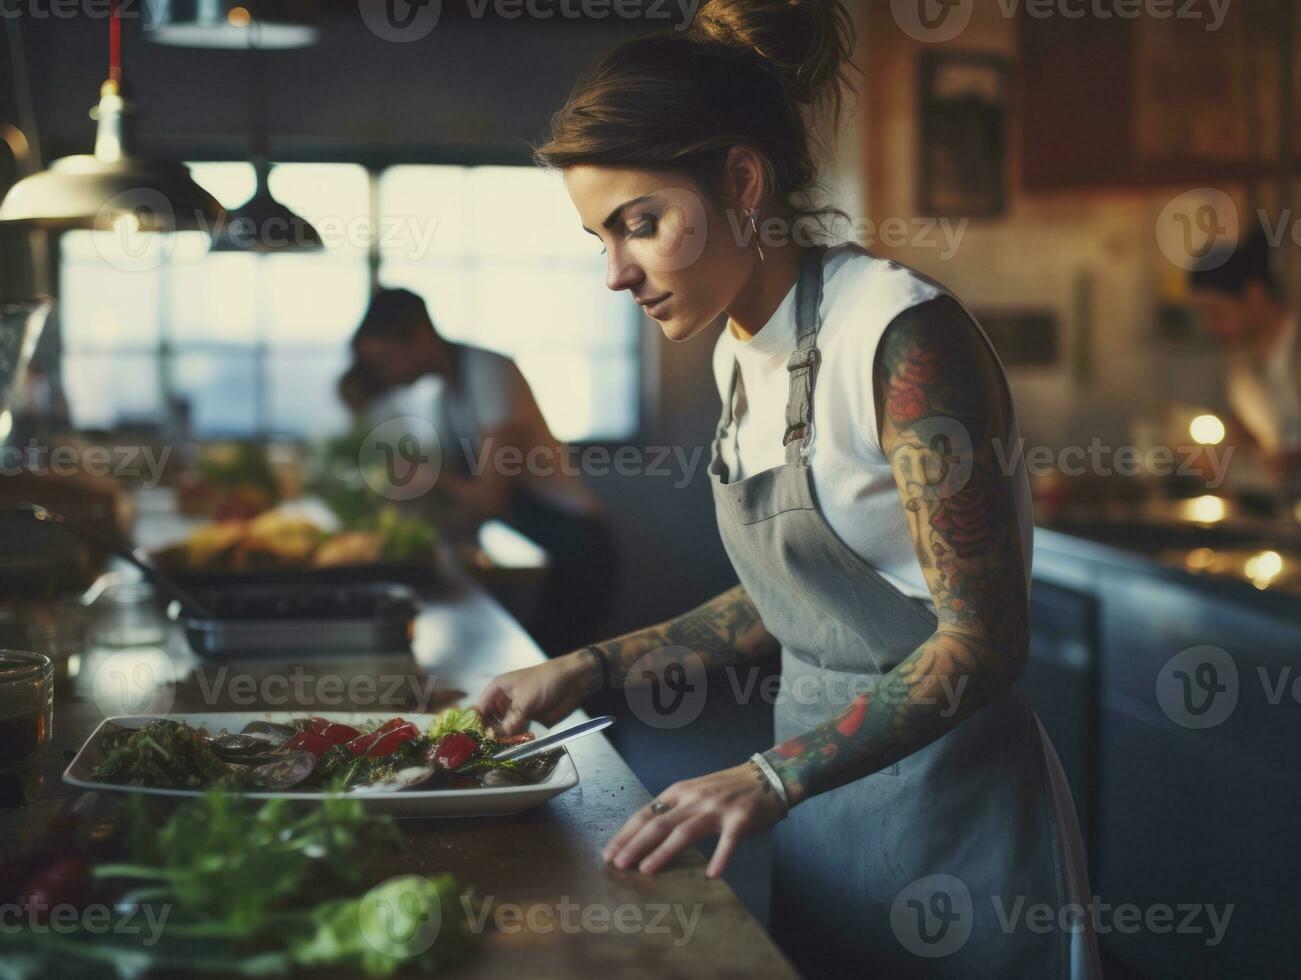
(292, 618)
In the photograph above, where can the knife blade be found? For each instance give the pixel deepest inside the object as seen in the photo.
(548, 742)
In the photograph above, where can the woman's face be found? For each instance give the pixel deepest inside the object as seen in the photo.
(675, 251)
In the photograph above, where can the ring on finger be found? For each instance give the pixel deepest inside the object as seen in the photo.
(659, 808)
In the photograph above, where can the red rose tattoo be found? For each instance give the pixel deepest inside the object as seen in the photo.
(966, 519)
(906, 399)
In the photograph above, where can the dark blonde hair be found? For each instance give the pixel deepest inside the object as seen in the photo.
(752, 73)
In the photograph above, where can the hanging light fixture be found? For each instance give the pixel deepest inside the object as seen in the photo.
(225, 23)
(112, 189)
(262, 224)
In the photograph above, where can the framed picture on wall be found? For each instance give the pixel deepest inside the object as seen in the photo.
(963, 101)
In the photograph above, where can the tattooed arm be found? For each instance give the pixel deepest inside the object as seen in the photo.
(726, 630)
(941, 404)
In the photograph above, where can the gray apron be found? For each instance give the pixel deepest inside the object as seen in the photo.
(929, 867)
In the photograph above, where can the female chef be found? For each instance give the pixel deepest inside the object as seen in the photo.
(880, 537)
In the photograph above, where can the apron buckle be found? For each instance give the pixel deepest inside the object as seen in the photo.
(802, 360)
(802, 431)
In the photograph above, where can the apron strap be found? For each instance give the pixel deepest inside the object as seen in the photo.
(725, 423)
(803, 363)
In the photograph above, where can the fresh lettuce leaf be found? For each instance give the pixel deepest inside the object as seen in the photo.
(457, 720)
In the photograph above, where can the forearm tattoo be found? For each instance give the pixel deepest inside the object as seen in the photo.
(941, 404)
(724, 631)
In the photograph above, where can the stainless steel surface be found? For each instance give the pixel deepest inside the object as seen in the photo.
(548, 742)
(388, 631)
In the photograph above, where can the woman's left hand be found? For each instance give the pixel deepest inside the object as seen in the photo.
(734, 804)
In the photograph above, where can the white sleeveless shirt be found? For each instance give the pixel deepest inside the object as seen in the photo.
(852, 477)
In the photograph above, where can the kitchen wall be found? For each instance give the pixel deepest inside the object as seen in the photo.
(1042, 253)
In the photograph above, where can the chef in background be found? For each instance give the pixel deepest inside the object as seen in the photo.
(1240, 303)
(482, 405)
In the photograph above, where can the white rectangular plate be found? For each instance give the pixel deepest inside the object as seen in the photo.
(402, 804)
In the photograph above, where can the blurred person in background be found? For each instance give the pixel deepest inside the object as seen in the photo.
(359, 390)
(484, 412)
(1235, 293)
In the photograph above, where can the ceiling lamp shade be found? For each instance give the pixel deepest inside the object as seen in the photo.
(265, 225)
(99, 191)
(225, 23)
(111, 187)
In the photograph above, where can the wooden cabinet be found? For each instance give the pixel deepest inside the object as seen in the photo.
(1145, 100)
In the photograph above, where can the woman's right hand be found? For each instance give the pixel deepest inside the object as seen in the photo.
(547, 692)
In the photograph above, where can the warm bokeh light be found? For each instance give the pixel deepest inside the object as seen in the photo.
(1263, 567)
(1207, 509)
(238, 17)
(1207, 430)
(1200, 558)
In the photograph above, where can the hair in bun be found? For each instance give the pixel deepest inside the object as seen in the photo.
(747, 73)
(805, 42)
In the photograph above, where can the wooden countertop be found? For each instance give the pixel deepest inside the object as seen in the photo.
(563, 913)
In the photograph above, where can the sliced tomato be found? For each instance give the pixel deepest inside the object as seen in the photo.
(337, 734)
(362, 744)
(454, 750)
(318, 745)
(388, 742)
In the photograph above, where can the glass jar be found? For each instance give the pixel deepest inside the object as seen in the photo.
(127, 616)
(26, 704)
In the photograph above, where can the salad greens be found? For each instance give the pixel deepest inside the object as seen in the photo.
(253, 891)
(404, 538)
(457, 720)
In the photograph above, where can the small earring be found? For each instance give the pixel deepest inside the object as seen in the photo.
(755, 225)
